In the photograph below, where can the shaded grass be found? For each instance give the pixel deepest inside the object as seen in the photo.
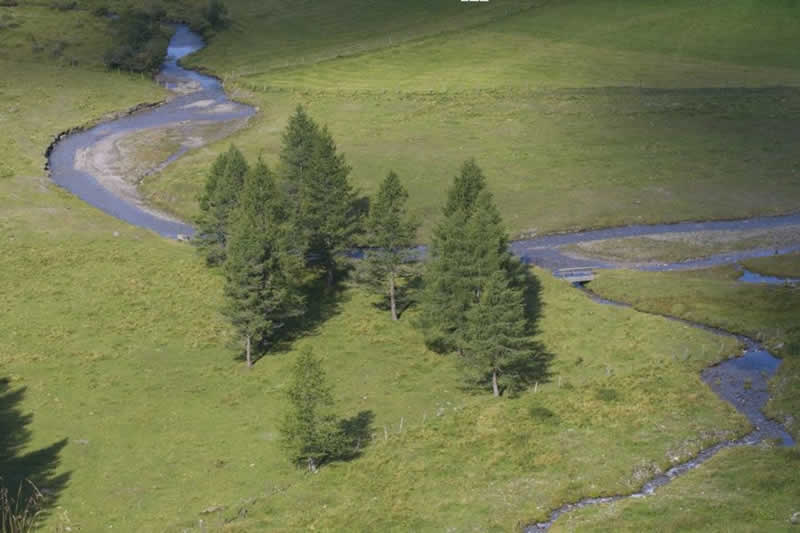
(764, 312)
(677, 247)
(711, 498)
(554, 160)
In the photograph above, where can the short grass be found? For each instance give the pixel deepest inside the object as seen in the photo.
(714, 297)
(709, 499)
(677, 247)
(785, 266)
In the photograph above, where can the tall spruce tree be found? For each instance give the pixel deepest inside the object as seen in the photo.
(218, 200)
(329, 214)
(310, 433)
(260, 272)
(296, 155)
(497, 345)
(390, 236)
(452, 281)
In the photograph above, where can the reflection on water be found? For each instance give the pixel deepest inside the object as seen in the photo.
(753, 277)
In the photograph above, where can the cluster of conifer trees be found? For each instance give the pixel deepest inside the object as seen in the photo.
(273, 231)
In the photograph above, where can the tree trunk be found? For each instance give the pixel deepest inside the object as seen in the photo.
(391, 296)
(247, 350)
(330, 275)
(495, 389)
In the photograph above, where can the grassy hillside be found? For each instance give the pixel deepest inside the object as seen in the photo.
(583, 114)
(113, 335)
(716, 497)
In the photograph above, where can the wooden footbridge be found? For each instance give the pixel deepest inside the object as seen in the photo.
(575, 275)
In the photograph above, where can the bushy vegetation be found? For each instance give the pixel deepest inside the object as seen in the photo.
(139, 42)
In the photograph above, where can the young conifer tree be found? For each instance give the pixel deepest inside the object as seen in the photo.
(310, 433)
(218, 200)
(328, 210)
(390, 236)
(261, 273)
(450, 287)
(497, 345)
(296, 155)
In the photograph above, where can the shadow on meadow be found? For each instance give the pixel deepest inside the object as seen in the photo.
(358, 433)
(322, 304)
(18, 470)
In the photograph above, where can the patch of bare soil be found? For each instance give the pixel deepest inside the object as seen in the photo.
(121, 161)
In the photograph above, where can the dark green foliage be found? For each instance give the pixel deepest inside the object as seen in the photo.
(260, 287)
(498, 349)
(311, 434)
(322, 204)
(217, 202)
(216, 13)
(465, 190)
(468, 245)
(139, 42)
(329, 207)
(390, 237)
(296, 155)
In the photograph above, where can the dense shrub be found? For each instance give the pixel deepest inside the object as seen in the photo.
(216, 14)
(139, 42)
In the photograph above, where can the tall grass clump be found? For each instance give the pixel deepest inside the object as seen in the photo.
(20, 513)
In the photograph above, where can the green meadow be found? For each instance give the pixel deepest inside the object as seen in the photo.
(582, 114)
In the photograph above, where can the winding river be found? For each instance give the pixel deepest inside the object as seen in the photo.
(198, 98)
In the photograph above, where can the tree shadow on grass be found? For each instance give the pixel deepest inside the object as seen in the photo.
(357, 431)
(406, 296)
(322, 303)
(18, 470)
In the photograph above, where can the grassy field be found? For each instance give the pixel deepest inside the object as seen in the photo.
(114, 334)
(714, 497)
(764, 312)
(676, 247)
